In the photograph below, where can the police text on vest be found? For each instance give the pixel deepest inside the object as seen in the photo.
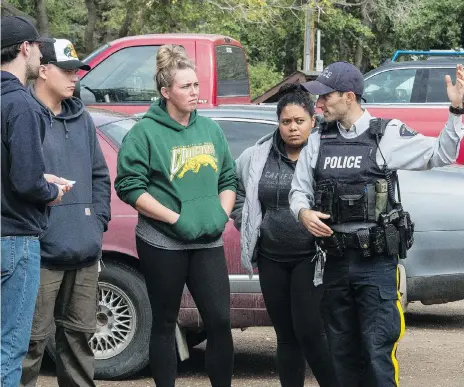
(343, 162)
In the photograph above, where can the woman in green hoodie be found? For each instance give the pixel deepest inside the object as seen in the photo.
(175, 168)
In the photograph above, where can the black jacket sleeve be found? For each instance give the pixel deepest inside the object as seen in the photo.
(27, 164)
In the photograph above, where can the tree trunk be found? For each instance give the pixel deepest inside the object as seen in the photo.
(91, 23)
(127, 23)
(358, 58)
(42, 18)
(358, 55)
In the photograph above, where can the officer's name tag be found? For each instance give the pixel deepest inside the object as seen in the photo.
(329, 136)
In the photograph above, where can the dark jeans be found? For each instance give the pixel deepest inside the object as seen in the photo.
(20, 282)
(68, 298)
(205, 273)
(364, 319)
(293, 303)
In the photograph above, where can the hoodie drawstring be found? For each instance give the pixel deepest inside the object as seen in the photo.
(278, 178)
(51, 118)
(66, 129)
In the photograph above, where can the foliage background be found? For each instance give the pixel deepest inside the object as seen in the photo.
(364, 32)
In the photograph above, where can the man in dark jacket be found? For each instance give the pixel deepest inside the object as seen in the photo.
(71, 246)
(25, 191)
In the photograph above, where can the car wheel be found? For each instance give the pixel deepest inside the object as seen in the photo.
(121, 341)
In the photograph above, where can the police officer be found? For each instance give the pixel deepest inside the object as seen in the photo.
(344, 192)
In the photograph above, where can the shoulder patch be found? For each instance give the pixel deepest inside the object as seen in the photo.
(406, 131)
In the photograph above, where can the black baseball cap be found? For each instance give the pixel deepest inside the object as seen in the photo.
(337, 76)
(62, 54)
(18, 29)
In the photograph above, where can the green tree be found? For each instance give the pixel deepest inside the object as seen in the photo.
(262, 78)
(364, 32)
(433, 24)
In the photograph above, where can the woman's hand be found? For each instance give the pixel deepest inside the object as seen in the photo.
(173, 218)
(227, 199)
(147, 205)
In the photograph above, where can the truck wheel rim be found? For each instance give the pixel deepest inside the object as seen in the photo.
(116, 322)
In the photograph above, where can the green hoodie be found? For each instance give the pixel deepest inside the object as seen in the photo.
(183, 167)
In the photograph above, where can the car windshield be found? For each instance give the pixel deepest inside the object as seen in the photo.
(124, 77)
(390, 86)
(116, 131)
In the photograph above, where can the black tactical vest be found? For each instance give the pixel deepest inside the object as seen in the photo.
(348, 180)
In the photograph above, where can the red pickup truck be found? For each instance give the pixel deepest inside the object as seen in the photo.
(121, 78)
(413, 91)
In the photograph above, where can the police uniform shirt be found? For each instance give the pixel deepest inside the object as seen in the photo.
(402, 148)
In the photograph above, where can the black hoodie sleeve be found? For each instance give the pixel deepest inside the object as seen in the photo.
(27, 164)
(101, 182)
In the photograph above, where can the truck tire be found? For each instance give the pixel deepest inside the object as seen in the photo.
(121, 341)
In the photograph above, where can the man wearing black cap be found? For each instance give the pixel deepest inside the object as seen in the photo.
(25, 191)
(71, 246)
(343, 191)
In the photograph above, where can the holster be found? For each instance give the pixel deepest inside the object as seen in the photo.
(406, 233)
(332, 245)
(392, 240)
(399, 231)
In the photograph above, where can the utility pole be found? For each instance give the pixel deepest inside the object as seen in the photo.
(308, 60)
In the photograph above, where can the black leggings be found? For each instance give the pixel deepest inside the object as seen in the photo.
(205, 273)
(292, 302)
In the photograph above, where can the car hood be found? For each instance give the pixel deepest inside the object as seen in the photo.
(435, 198)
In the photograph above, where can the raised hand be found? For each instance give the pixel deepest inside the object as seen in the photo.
(456, 92)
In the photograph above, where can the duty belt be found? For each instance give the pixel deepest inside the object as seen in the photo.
(371, 241)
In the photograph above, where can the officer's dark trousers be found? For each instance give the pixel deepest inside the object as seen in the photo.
(363, 319)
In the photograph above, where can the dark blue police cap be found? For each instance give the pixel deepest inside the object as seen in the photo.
(337, 76)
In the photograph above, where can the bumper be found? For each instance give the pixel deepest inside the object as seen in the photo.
(437, 289)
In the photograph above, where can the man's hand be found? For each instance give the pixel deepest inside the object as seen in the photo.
(58, 199)
(54, 179)
(456, 92)
(63, 184)
(312, 221)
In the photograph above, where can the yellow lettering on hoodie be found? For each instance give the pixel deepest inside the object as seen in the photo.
(192, 158)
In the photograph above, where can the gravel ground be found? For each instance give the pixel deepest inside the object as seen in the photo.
(431, 354)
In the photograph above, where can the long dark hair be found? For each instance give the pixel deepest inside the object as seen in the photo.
(293, 94)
